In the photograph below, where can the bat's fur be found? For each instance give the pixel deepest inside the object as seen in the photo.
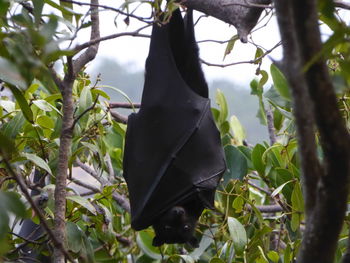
(177, 224)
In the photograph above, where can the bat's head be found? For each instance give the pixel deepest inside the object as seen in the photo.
(176, 225)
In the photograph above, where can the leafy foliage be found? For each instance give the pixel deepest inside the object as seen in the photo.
(98, 228)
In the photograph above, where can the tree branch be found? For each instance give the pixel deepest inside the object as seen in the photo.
(326, 190)
(120, 199)
(234, 12)
(74, 68)
(91, 52)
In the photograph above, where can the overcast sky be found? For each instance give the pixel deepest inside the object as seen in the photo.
(132, 51)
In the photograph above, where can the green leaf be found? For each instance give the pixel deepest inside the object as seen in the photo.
(100, 93)
(68, 5)
(238, 204)
(258, 54)
(91, 146)
(230, 45)
(144, 242)
(236, 162)
(83, 202)
(262, 258)
(13, 203)
(4, 5)
(27, 112)
(216, 260)
(287, 257)
(121, 93)
(181, 258)
(205, 242)
(7, 145)
(279, 189)
(88, 250)
(38, 161)
(43, 105)
(37, 10)
(257, 159)
(238, 235)
(280, 82)
(297, 206)
(74, 237)
(14, 126)
(221, 101)
(238, 130)
(8, 105)
(10, 74)
(85, 101)
(273, 255)
(297, 198)
(264, 78)
(45, 122)
(295, 221)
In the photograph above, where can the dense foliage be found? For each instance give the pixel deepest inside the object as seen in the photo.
(259, 214)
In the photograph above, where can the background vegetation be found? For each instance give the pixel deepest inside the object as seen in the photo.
(281, 199)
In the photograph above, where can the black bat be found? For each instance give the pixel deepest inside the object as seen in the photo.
(173, 159)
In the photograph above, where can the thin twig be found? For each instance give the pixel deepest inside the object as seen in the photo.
(85, 111)
(253, 61)
(85, 185)
(124, 105)
(248, 4)
(142, 19)
(98, 40)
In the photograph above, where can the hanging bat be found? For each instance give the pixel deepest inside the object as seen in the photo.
(173, 159)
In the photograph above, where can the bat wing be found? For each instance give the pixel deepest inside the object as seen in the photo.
(172, 148)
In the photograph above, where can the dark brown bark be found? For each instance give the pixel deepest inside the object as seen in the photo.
(326, 186)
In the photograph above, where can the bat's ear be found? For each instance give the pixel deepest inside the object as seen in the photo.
(193, 242)
(157, 241)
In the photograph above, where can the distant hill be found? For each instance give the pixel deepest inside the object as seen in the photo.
(240, 102)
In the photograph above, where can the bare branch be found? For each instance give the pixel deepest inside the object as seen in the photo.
(113, 105)
(135, 33)
(119, 118)
(269, 208)
(142, 19)
(85, 185)
(248, 4)
(120, 199)
(342, 4)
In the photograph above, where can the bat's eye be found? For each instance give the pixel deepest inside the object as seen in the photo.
(167, 227)
(186, 227)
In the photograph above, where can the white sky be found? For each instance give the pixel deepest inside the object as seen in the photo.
(132, 51)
